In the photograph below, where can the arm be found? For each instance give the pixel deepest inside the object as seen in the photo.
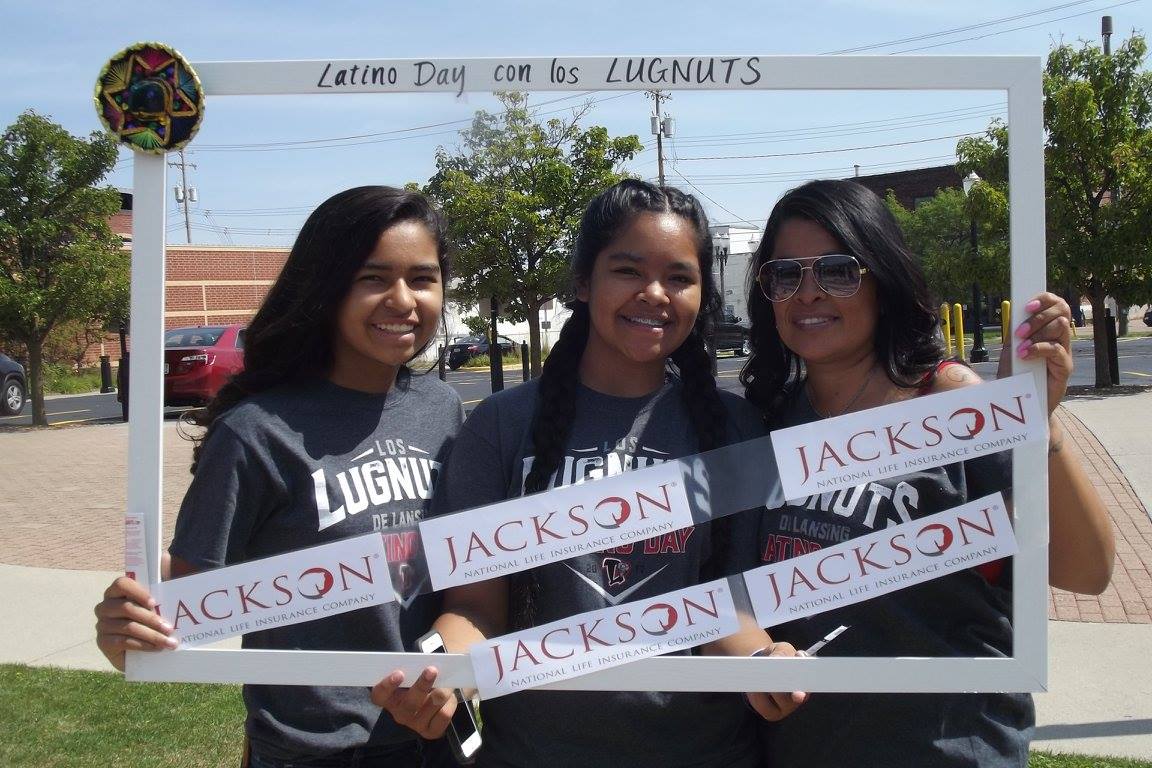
(472, 613)
(473, 476)
(126, 619)
(750, 640)
(1081, 547)
(215, 518)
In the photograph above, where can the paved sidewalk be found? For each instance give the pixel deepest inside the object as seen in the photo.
(62, 543)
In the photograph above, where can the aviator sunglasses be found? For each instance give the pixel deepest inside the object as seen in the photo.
(837, 274)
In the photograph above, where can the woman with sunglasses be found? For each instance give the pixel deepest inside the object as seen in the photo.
(842, 321)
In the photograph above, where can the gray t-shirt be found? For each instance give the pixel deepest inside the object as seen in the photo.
(304, 465)
(964, 614)
(567, 728)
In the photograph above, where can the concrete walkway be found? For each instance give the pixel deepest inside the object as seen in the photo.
(62, 544)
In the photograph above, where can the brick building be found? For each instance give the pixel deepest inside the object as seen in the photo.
(915, 186)
(216, 285)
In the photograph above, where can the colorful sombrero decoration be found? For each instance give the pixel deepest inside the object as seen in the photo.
(150, 98)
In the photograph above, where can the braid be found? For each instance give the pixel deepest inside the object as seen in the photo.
(710, 420)
(556, 401)
(551, 427)
(705, 408)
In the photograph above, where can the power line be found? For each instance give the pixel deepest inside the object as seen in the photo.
(382, 137)
(957, 112)
(840, 133)
(1017, 29)
(831, 151)
(968, 28)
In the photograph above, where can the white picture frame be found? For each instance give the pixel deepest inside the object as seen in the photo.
(1019, 77)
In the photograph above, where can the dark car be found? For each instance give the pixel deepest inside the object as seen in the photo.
(732, 335)
(199, 361)
(12, 396)
(464, 348)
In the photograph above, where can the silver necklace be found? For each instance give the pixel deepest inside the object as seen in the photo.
(852, 402)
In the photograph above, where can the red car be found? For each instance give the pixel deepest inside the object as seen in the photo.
(199, 361)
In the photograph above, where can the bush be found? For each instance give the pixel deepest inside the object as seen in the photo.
(483, 361)
(60, 379)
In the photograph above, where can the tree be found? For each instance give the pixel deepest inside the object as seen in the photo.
(513, 194)
(1098, 112)
(476, 325)
(938, 231)
(1098, 175)
(59, 261)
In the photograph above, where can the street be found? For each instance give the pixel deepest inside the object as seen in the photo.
(474, 385)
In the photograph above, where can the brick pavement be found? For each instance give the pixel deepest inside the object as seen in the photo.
(1128, 598)
(64, 489)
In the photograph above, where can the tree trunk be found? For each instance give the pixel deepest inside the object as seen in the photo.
(534, 340)
(36, 381)
(1121, 320)
(1100, 338)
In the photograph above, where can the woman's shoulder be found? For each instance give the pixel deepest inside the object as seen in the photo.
(947, 376)
(430, 387)
(517, 403)
(743, 416)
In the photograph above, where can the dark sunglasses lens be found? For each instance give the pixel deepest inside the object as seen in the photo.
(837, 274)
(780, 278)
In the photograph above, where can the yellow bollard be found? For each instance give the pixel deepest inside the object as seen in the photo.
(946, 321)
(958, 313)
(1005, 321)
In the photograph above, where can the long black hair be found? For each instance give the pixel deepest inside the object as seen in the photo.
(290, 338)
(609, 213)
(906, 341)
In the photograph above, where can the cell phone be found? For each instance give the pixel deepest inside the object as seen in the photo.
(463, 732)
(813, 649)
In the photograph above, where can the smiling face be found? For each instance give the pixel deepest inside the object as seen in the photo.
(816, 326)
(391, 311)
(643, 297)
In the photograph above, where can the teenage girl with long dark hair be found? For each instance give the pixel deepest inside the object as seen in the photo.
(628, 384)
(842, 321)
(325, 391)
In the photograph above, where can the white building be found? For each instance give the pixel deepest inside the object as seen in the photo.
(733, 248)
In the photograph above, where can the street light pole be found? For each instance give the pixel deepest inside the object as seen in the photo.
(979, 353)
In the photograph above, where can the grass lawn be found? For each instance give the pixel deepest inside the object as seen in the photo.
(57, 718)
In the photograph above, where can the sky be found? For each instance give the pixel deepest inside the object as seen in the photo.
(262, 163)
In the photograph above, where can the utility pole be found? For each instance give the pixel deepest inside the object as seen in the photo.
(184, 193)
(1106, 34)
(662, 128)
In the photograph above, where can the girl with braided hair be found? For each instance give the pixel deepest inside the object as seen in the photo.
(628, 384)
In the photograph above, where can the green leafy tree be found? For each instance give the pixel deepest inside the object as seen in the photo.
(476, 325)
(59, 262)
(939, 232)
(1098, 111)
(1098, 176)
(514, 192)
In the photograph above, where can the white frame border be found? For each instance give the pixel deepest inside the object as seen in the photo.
(1019, 76)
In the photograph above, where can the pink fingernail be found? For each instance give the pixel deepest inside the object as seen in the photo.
(171, 642)
(165, 626)
(1024, 348)
(1032, 306)
(1024, 331)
